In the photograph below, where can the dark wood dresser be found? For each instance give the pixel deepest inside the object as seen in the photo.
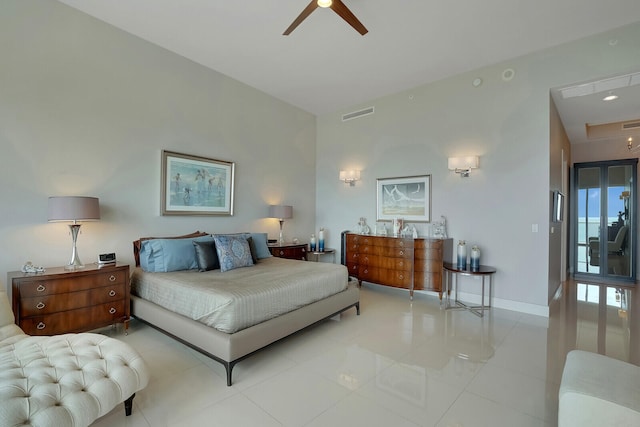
(289, 250)
(60, 301)
(413, 264)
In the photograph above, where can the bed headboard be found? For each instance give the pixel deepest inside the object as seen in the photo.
(137, 243)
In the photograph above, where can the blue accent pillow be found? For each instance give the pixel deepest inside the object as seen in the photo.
(260, 243)
(233, 251)
(164, 255)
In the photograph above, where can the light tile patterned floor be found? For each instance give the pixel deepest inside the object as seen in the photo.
(400, 363)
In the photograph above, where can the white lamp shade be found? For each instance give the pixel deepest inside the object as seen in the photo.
(73, 208)
(280, 211)
(468, 162)
(352, 175)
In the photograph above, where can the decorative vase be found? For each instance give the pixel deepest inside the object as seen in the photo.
(462, 254)
(397, 226)
(312, 243)
(321, 240)
(475, 258)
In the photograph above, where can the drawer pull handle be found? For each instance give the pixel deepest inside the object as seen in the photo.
(112, 310)
(401, 243)
(366, 271)
(401, 252)
(112, 293)
(40, 305)
(401, 276)
(281, 252)
(401, 264)
(112, 278)
(41, 288)
(40, 326)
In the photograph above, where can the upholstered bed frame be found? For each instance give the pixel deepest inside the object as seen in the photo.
(229, 349)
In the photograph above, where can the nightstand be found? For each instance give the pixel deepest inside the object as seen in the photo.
(60, 301)
(289, 250)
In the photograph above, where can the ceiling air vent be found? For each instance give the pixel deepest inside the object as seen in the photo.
(356, 114)
(631, 125)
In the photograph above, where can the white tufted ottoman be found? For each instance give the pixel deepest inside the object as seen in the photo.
(63, 380)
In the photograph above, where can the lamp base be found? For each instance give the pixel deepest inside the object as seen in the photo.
(281, 236)
(75, 263)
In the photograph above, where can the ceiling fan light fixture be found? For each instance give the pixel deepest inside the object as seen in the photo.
(610, 97)
(325, 3)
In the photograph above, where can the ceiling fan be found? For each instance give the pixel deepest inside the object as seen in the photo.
(337, 6)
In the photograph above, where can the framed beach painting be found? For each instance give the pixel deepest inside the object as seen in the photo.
(407, 198)
(194, 185)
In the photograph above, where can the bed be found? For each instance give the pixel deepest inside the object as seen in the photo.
(232, 314)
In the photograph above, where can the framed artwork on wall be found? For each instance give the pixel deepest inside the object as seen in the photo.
(193, 185)
(408, 198)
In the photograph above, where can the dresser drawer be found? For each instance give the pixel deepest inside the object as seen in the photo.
(428, 280)
(353, 268)
(71, 284)
(370, 274)
(75, 320)
(289, 251)
(385, 262)
(46, 304)
(400, 279)
(428, 265)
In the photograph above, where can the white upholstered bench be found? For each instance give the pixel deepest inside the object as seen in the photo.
(600, 391)
(63, 380)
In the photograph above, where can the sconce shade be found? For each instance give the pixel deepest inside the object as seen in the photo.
(347, 176)
(73, 208)
(468, 162)
(463, 165)
(350, 177)
(280, 211)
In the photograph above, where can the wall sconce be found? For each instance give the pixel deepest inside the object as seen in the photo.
(350, 177)
(463, 165)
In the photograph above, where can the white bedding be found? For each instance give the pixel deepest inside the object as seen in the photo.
(233, 300)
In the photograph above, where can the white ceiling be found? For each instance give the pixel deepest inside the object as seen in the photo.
(325, 65)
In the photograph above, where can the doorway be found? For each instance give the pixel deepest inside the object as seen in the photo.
(604, 219)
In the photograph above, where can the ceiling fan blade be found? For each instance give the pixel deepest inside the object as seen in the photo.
(303, 15)
(342, 10)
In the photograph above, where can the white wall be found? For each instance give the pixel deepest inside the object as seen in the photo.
(85, 109)
(505, 122)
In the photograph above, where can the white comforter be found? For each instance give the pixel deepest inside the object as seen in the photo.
(243, 297)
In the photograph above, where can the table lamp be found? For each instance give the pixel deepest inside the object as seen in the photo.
(282, 213)
(74, 208)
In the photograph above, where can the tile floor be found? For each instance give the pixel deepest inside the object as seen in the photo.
(400, 363)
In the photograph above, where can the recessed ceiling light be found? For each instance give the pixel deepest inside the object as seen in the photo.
(477, 82)
(508, 74)
(610, 97)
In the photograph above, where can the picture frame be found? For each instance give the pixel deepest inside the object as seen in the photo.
(407, 198)
(195, 185)
(557, 214)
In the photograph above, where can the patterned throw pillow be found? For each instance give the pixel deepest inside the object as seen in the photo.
(233, 251)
